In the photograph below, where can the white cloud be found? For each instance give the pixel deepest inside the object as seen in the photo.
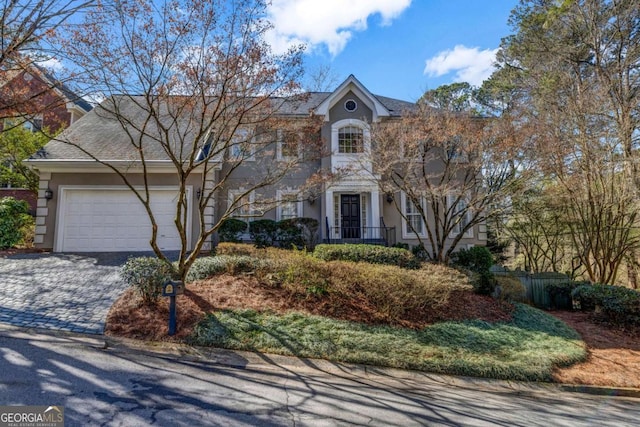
(52, 64)
(326, 22)
(471, 65)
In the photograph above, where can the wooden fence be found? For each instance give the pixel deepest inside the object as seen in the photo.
(535, 285)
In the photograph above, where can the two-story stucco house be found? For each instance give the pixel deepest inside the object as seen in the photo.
(93, 211)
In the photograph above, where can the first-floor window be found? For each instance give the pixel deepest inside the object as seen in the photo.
(460, 216)
(289, 206)
(413, 223)
(243, 205)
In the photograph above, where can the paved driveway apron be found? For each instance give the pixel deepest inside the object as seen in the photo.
(60, 291)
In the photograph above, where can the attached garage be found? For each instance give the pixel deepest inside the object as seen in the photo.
(112, 219)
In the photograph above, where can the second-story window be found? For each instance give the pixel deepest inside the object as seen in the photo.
(288, 145)
(350, 140)
(242, 145)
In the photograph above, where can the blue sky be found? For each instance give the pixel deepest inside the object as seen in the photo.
(396, 48)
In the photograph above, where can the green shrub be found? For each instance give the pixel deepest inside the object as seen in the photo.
(511, 289)
(620, 305)
(372, 254)
(477, 259)
(206, 267)
(230, 230)
(147, 275)
(14, 218)
(483, 283)
(420, 252)
(263, 232)
(560, 293)
(401, 245)
(298, 232)
(203, 268)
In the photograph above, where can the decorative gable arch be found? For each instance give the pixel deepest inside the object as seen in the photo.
(351, 84)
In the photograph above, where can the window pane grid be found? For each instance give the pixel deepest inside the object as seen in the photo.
(350, 140)
(289, 145)
(414, 219)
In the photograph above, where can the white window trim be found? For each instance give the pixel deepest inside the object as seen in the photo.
(280, 140)
(252, 146)
(405, 234)
(281, 195)
(233, 194)
(366, 137)
(456, 228)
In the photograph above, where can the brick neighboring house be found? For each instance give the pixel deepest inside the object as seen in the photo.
(32, 98)
(92, 210)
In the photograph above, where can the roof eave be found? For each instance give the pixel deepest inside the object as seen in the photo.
(93, 166)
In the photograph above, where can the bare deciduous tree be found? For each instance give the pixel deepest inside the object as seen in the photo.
(450, 169)
(192, 84)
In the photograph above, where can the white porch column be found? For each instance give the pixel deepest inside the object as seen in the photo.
(328, 207)
(375, 212)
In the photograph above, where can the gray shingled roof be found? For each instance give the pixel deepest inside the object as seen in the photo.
(101, 133)
(308, 102)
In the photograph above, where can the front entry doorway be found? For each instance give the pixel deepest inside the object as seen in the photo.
(350, 212)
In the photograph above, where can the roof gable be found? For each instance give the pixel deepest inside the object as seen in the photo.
(352, 84)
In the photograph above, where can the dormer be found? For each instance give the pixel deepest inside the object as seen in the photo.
(348, 96)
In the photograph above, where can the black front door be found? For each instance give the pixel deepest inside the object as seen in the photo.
(350, 211)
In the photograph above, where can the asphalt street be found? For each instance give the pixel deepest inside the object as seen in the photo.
(121, 385)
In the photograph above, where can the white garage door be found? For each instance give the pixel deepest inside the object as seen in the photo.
(112, 220)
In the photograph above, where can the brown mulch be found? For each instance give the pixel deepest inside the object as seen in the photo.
(16, 251)
(127, 318)
(614, 353)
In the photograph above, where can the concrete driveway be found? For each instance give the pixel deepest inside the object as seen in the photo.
(68, 292)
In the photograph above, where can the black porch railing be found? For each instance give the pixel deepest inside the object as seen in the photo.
(371, 235)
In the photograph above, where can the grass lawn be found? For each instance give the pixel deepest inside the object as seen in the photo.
(526, 348)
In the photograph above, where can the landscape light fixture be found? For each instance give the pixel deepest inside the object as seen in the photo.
(389, 198)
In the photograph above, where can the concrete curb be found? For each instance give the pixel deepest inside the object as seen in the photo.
(250, 360)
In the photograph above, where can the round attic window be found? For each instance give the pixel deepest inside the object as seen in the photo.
(350, 105)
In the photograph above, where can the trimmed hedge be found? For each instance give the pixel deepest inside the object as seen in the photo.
(372, 254)
(230, 230)
(620, 305)
(263, 232)
(298, 232)
(206, 267)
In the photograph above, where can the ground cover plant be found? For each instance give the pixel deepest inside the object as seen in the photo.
(291, 302)
(527, 348)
